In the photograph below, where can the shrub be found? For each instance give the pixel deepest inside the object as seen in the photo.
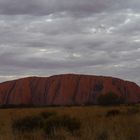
(72, 124)
(113, 112)
(109, 98)
(46, 121)
(103, 135)
(133, 110)
(66, 122)
(28, 123)
(46, 115)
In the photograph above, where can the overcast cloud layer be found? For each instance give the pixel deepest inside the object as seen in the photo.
(47, 37)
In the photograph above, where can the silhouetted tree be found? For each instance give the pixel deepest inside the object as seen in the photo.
(110, 98)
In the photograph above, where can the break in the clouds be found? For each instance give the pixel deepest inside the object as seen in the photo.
(46, 37)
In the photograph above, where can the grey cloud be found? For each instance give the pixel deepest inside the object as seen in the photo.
(44, 7)
(82, 7)
(89, 37)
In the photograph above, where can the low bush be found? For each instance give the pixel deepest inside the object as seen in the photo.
(28, 123)
(133, 110)
(113, 112)
(69, 124)
(46, 115)
(102, 135)
(46, 121)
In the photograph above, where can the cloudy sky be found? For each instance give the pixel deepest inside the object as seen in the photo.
(47, 37)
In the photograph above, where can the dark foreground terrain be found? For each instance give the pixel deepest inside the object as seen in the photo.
(71, 123)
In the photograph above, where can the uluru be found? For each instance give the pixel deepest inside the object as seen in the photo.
(65, 89)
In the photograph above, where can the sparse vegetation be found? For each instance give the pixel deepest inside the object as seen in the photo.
(113, 112)
(46, 115)
(132, 110)
(71, 123)
(28, 124)
(103, 135)
(49, 122)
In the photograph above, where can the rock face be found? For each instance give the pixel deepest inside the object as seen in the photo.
(67, 89)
